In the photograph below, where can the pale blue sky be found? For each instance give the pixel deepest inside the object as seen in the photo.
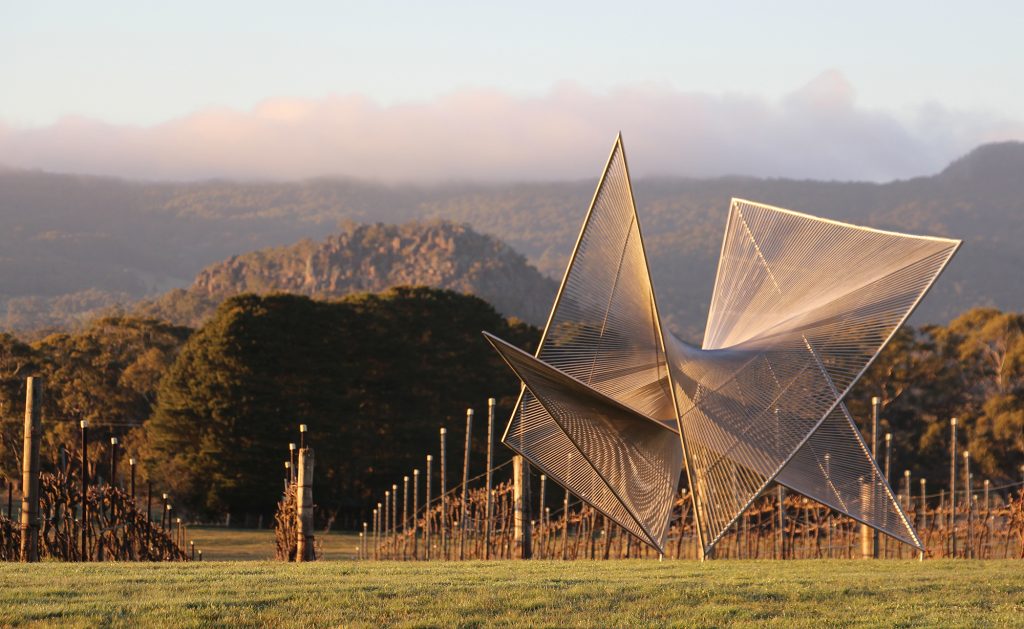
(146, 62)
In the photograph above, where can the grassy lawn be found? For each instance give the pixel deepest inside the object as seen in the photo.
(600, 594)
(220, 544)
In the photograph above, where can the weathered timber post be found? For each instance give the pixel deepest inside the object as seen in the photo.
(923, 519)
(405, 518)
(362, 540)
(828, 513)
(426, 513)
(888, 455)
(465, 486)
(386, 528)
(869, 536)
(782, 521)
(444, 510)
(906, 482)
(84, 425)
(565, 526)
(376, 532)
(394, 521)
(415, 510)
(543, 522)
(546, 534)
(30, 471)
(304, 507)
(989, 524)
(131, 464)
(289, 465)
(867, 490)
(952, 488)
(884, 550)
(939, 518)
(488, 506)
(521, 506)
(113, 461)
(968, 488)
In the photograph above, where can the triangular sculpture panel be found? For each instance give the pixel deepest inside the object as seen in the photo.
(615, 408)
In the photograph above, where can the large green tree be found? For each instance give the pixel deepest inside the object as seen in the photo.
(106, 373)
(972, 369)
(373, 375)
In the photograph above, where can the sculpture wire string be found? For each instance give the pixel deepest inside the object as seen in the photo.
(801, 306)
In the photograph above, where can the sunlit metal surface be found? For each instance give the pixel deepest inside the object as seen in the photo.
(614, 408)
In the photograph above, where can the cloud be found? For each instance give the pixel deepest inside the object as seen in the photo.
(816, 132)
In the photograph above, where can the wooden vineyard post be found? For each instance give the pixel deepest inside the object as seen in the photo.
(131, 465)
(113, 461)
(782, 521)
(405, 518)
(376, 532)
(565, 527)
(922, 520)
(488, 506)
(884, 549)
(952, 488)
(866, 547)
(444, 515)
(84, 424)
(394, 521)
(939, 517)
(426, 513)
(906, 493)
(543, 521)
(30, 472)
(520, 506)
(386, 527)
(163, 512)
(415, 510)
(869, 536)
(968, 488)
(465, 486)
(304, 507)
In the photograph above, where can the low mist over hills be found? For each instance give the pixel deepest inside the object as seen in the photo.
(70, 246)
(370, 258)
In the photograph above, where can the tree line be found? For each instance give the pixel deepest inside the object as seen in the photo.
(209, 412)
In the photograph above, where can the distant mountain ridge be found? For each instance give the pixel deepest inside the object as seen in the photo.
(70, 244)
(370, 258)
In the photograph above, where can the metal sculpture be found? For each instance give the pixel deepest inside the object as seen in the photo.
(614, 407)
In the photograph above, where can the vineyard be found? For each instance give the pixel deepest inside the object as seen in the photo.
(63, 516)
(477, 519)
(991, 528)
(114, 529)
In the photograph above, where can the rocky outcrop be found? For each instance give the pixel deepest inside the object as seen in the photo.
(372, 258)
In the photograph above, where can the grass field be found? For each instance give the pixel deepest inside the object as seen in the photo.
(600, 594)
(220, 544)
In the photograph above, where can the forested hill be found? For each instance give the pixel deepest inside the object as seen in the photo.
(72, 244)
(370, 258)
